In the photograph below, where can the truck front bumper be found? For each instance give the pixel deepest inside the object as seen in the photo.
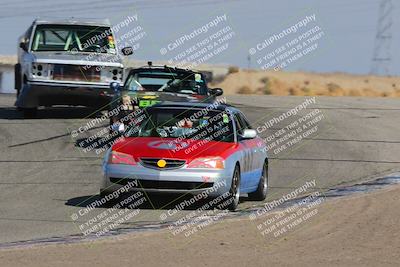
(35, 94)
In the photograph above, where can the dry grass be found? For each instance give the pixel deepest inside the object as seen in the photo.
(8, 60)
(310, 84)
(233, 69)
(244, 90)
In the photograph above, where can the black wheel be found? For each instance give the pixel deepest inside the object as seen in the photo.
(17, 78)
(234, 192)
(262, 189)
(29, 113)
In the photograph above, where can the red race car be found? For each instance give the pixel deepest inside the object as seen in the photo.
(189, 148)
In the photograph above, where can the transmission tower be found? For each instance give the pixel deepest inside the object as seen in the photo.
(383, 39)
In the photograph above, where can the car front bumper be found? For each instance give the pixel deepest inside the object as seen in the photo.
(35, 94)
(180, 181)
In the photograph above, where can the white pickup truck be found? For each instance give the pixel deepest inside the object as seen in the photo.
(67, 62)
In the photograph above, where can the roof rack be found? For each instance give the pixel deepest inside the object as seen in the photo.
(164, 67)
(72, 20)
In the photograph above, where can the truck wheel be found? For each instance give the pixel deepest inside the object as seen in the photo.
(17, 78)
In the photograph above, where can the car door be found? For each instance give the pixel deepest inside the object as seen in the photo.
(245, 155)
(252, 167)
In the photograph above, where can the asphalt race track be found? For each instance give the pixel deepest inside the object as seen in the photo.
(45, 177)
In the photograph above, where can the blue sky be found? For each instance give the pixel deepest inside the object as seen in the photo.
(347, 46)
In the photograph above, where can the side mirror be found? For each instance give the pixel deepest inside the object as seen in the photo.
(115, 86)
(23, 46)
(127, 51)
(249, 134)
(217, 91)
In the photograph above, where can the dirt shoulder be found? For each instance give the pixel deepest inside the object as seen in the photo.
(361, 230)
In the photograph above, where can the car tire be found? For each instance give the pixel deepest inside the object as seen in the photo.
(234, 191)
(29, 113)
(262, 189)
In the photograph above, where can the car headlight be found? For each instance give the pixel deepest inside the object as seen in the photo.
(42, 71)
(111, 74)
(207, 163)
(121, 158)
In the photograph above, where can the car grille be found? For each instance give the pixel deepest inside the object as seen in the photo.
(171, 163)
(152, 184)
(76, 73)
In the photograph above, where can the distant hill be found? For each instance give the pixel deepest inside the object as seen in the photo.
(303, 83)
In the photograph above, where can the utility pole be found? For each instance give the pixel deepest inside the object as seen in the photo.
(382, 58)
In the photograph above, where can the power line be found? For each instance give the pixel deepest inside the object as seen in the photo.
(382, 54)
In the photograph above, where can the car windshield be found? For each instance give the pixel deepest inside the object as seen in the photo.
(167, 81)
(199, 124)
(75, 38)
